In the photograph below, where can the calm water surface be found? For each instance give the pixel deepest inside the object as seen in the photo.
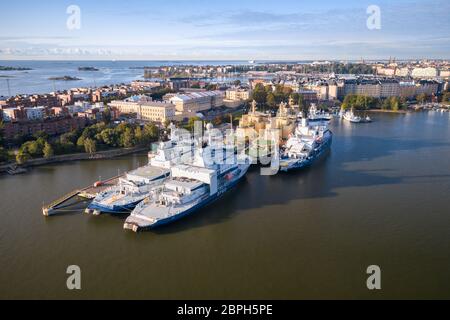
(381, 197)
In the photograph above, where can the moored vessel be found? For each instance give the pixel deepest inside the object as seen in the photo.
(308, 144)
(191, 187)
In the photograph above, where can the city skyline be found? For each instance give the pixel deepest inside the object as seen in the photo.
(234, 30)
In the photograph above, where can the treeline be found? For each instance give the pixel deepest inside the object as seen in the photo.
(340, 68)
(94, 138)
(266, 96)
(362, 102)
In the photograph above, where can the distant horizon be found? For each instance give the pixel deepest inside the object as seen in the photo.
(231, 60)
(235, 30)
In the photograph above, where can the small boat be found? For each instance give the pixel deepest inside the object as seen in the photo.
(351, 117)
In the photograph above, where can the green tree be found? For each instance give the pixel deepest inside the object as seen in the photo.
(301, 104)
(3, 155)
(109, 137)
(107, 116)
(422, 98)
(151, 132)
(22, 157)
(80, 142)
(40, 134)
(48, 150)
(90, 146)
(128, 139)
(294, 97)
(260, 94)
(139, 136)
(167, 123)
(70, 137)
(271, 102)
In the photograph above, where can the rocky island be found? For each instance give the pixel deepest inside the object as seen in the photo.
(87, 69)
(3, 68)
(65, 78)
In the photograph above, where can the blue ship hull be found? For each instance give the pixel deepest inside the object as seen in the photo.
(194, 208)
(114, 209)
(323, 149)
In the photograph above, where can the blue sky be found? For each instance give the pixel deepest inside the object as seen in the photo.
(226, 29)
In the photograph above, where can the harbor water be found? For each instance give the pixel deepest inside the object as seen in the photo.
(381, 197)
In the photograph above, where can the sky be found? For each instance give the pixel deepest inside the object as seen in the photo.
(223, 30)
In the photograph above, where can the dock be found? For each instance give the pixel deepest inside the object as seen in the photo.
(89, 193)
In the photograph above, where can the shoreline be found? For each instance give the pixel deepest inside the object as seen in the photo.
(389, 111)
(73, 157)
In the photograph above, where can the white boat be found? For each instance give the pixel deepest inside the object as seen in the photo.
(308, 144)
(350, 116)
(316, 115)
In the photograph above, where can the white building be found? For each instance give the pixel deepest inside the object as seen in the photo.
(238, 94)
(424, 72)
(147, 110)
(194, 102)
(35, 113)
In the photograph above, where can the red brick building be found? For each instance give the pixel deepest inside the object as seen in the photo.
(54, 126)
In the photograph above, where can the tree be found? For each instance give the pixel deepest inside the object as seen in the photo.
(237, 83)
(294, 97)
(128, 139)
(109, 137)
(302, 105)
(260, 94)
(40, 134)
(22, 157)
(3, 155)
(271, 102)
(151, 132)
(70, 137)
(33, 148)
(90, 146)
(80, 142)
(48, 150)
(422, 98)
(107, 116)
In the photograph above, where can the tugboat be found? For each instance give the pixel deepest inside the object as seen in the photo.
(316, 115)
(191, 187)
(351, 117)
(307, 145)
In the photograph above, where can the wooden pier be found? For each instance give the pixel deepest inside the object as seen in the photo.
(89, 192)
